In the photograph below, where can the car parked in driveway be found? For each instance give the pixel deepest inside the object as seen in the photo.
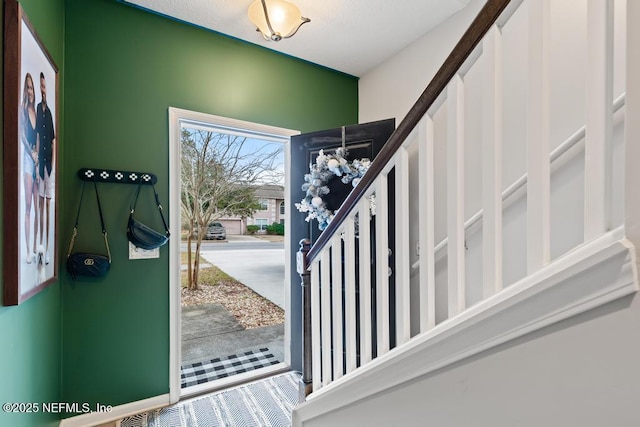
(216, 231)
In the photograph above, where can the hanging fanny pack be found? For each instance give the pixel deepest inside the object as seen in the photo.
(84, 263)
(141, 235)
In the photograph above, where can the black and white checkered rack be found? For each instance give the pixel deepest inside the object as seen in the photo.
(117, 176)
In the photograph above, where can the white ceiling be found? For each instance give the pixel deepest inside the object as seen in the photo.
(352, 36)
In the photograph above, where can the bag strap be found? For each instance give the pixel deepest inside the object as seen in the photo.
(155, 193)
(75, 227)
(79, 206)
(104, 230)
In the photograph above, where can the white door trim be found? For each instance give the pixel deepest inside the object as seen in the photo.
(176, 115)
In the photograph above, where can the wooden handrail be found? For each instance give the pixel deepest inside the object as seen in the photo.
(470, 39)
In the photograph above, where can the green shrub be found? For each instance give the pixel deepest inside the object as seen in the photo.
(251, 229)
(276, 228)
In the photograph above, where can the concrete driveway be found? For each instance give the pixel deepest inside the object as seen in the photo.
(261, 268)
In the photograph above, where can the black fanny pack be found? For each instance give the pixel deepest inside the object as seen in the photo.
(84, 263)
(141, 235)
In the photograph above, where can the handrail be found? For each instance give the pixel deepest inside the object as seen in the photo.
(470, 39)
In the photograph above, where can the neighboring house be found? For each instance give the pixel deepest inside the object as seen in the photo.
(72, 343)
(271, 200)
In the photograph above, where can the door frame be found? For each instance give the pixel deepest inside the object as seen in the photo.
(176, 116)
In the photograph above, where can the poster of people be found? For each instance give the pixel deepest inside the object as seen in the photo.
(37, 146)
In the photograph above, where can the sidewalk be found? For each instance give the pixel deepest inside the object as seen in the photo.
(260, 269)
(234, 238)
(210, 331)
(255, 238)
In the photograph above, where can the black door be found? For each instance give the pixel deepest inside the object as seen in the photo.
(361, 141)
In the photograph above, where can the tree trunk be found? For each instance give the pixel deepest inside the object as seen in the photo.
(189, 258)
(196, 262)
(193, 258)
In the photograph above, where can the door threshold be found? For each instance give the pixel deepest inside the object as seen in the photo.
(234, 380)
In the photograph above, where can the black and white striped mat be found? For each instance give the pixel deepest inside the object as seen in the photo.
(264, 403)
(222, 367)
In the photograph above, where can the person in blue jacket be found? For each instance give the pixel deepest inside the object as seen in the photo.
(46, 160)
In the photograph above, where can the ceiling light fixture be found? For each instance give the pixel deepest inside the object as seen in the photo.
(276, 19)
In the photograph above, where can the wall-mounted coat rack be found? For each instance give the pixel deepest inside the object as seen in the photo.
(117, 176)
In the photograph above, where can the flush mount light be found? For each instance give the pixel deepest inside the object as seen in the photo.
(276, 19)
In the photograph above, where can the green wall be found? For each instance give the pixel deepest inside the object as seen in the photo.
(30, 333)
(124, 68)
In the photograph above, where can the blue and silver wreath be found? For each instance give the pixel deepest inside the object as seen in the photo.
(324, 169)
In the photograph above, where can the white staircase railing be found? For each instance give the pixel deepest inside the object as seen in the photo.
(371, 289)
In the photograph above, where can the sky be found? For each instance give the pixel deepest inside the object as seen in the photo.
(255, 146)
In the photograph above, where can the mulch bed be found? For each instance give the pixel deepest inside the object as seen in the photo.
(251, 310)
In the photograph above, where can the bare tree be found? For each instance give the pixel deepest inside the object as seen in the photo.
(219, 174)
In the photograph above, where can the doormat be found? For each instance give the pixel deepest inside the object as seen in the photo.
(265, 403)
(222, 367)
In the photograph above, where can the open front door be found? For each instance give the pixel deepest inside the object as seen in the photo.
(361, 141)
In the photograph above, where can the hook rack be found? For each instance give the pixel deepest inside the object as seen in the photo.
(116, 176)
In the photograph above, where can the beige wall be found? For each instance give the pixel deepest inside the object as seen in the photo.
(271, 214)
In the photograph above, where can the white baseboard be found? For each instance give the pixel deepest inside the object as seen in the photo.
(117, 412)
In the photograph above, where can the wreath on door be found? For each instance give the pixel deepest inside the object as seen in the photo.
(326, 167)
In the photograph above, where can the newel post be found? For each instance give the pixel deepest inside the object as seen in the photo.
(302, 267)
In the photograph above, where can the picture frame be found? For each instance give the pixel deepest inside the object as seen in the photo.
(31, 99)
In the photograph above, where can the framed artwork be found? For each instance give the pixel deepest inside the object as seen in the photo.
(30, 160)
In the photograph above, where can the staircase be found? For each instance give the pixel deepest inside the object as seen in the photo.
(515, 208)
